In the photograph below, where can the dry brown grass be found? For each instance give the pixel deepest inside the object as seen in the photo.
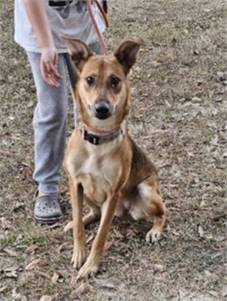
(178, 116)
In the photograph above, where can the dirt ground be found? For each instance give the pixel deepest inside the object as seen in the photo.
(178, 115)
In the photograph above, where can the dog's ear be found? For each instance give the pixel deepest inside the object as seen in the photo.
(126, 53)
(78, 50)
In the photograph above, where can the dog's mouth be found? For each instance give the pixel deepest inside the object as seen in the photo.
(102, 116)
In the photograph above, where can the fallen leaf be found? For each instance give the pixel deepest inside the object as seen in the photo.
(105, 284)
(11, 274)
(203, 203)
(81, 289)
(30, 104)
(32, 264)
(209, 237)
(45, 275)
(158, 268)
(224, 155)
(213, 293)
(31, 249)
(175, 233)
(3, 288)
(224, 291)
(17, 206)
(196, 99)
(56, 225)
(47, 298)
(55, 278)
(89, 238)
(18, 296)
(207, 273)
(61, 247)
(5, 223)
(167, 103)
(10, 252)
(201, 231)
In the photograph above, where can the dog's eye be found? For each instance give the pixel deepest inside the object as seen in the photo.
(90, 80)
(114, 81)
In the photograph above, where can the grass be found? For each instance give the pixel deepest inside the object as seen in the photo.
(165, 35)
(164, 120)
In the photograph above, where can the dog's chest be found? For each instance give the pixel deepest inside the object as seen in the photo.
(97, 175)
(91, 166)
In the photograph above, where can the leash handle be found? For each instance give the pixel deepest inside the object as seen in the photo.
(99, 34)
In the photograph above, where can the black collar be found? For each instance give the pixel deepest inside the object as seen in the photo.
(97, 140)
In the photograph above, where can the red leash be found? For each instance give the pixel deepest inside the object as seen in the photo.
(99, 34)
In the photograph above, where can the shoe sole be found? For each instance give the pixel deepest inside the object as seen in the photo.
(49, 220)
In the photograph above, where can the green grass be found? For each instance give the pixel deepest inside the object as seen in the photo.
(162, 35)
(7, 240)
(27, 234)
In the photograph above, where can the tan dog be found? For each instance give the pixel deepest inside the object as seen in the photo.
(106, 169)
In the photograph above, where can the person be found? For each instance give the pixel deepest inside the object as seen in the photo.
(39, 27)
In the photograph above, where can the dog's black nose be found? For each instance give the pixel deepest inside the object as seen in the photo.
(102, 109)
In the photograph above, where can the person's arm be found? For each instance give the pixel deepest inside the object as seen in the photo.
(37, 15)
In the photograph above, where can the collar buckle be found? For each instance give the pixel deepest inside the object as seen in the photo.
(96, 140)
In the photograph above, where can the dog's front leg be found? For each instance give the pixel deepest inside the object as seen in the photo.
(92, 263)
(76, 191)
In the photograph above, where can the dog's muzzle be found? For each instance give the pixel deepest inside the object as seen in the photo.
(102, 109)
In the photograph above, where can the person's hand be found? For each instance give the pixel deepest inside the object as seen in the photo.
(49, 66)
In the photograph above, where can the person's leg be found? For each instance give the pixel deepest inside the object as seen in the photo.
(49, 124)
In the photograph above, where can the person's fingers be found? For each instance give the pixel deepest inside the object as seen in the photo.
(54, 74)
(49, 68)
(43, 71)
(54, 67)
(52, 80)
(50, 74)
(54, 71)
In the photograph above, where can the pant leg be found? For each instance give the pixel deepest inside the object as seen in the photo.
(49, 123)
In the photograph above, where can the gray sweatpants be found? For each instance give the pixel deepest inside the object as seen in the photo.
(49, 123)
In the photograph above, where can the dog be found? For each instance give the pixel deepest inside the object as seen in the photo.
(105, 167)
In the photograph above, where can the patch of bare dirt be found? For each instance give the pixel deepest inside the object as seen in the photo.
(178, 115)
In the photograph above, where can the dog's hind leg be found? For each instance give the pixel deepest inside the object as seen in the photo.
(153, 207)
(92, 216)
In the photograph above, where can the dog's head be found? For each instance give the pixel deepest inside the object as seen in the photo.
(102, 90)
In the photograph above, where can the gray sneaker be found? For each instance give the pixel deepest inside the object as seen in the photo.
(47, 209)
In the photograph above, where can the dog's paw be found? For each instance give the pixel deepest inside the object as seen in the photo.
(89, 268)
(68, 227)
(153, 235)
(78, 257)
